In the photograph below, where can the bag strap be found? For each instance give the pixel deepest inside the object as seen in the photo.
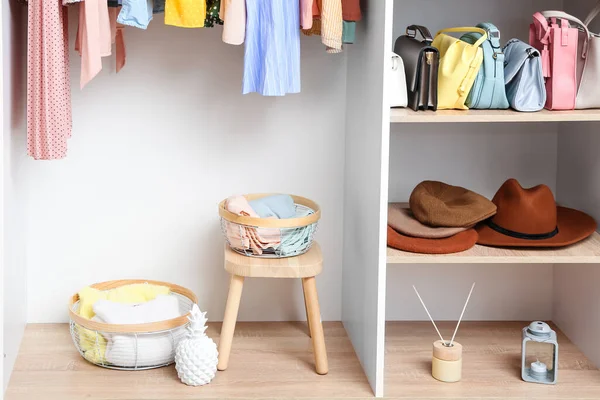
(411, 31)
(568, 17)
(592, 14)
(478, 43)
(541, 31)
(493, 34)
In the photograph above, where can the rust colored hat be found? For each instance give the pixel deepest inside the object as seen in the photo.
(531, 218)
(454, 244)
(439, 204)
(401, 219)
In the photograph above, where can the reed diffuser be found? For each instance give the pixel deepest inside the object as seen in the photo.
(446, 362)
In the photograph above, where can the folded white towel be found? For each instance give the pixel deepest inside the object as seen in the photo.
(161, 308)
(140, 350)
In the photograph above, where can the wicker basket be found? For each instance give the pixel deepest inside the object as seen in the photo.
(135, 346)
(294, 235)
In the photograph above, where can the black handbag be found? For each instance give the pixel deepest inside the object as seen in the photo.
(421, 62)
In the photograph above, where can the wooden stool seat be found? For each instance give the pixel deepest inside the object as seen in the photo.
(302, 266)
(305, 266)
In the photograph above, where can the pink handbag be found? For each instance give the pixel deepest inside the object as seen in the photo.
(557, 42)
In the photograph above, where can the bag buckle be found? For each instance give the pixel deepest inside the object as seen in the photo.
(530, 53)
(429, 57)
(496, 54)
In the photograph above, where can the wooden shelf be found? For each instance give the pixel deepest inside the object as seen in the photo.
(268, 360)
(584, 252)
(405, 115)
(491, 364)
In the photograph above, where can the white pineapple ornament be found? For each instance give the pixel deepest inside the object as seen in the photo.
(196, 356)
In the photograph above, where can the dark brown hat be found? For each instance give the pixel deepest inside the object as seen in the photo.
(454, 244)
(530, 218)
(439, 204)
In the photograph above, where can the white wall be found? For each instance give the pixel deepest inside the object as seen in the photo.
(14, 279)
(477, 156)
(156, 147)
(512, 17)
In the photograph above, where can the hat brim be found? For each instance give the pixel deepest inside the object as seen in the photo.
(401, 219)
(573, 226)
(454, 244)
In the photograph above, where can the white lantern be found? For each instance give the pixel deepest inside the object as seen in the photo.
(539, 354)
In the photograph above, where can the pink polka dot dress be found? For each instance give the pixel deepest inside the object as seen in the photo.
(48, 86)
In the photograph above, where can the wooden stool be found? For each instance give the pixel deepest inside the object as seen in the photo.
(305, 266)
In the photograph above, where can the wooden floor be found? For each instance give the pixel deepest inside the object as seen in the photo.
(274, 360)
(491, 364)
(268, 360)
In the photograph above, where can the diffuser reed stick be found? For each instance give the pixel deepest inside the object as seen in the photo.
(429, 315)
(461, 315)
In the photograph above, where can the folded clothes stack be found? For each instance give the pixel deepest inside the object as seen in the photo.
(129, 304)
(443, 219)
(259, 241)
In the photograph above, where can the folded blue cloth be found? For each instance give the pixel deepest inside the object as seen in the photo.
(279, 205)
(292, 240)
(136, 13)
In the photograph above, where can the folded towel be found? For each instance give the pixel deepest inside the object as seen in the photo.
(91, 344)
(133, 293)
(139, 350)
(278, 205)
(155, 350)
(159, 309)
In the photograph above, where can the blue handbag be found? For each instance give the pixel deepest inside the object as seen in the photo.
(488, 91)
(523, 76)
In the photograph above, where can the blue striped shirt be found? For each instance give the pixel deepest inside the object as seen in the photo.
(272, 54)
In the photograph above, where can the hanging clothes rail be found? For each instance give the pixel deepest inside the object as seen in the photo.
(270, 30)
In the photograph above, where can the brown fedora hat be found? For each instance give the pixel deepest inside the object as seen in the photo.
(454, 244)
(402, 220)
(531, 218)
(439, 204)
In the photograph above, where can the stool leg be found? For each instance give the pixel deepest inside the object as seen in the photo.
(231, 311)
(306, 309)
(316, 328)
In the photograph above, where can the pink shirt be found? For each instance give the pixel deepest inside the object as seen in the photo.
(233, 14)
(48, 84)
(94, 38)
(306, 14)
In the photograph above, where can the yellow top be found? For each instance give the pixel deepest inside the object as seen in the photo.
(185, 13)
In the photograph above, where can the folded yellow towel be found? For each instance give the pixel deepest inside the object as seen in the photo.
(93, 344)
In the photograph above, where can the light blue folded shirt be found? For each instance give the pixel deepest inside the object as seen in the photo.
(136, 13)
(279, 206)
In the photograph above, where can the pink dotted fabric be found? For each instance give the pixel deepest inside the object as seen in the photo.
(48, 87)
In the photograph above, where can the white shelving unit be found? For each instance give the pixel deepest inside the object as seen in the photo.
(585, 252)
(389, 151)
(403, 115)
